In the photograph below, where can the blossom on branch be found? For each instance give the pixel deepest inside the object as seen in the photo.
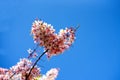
(45, 36)
(23, 67)
(50, 75)
(19, 71)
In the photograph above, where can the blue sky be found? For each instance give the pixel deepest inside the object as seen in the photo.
(95, 54)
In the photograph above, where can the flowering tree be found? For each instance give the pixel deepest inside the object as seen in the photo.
(44, 36)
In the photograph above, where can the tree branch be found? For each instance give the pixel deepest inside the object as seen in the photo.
(27, 77)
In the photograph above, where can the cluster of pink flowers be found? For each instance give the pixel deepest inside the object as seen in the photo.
(50, 75)
(45, 36)
(3, 75)
(19, 71)
(22, 69)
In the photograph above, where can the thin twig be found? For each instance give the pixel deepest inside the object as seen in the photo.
(27, 77)
(77, 27)
(33, 51)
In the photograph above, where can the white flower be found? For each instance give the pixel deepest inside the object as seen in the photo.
(50, 75)
(29, 50)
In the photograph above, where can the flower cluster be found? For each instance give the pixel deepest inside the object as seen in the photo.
(19, 71)
(50, 75)
(3, 70)
(3, 75)
(45, 36)
(23, 68)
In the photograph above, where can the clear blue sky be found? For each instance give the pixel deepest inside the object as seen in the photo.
(95, 55)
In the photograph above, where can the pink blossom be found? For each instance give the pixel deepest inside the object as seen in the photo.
(19, 71)
(23, 67)
(45, 36)
(3, 70)
(50, 75)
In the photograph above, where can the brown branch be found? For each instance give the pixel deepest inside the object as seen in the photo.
(27, 77)
(12, 75)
